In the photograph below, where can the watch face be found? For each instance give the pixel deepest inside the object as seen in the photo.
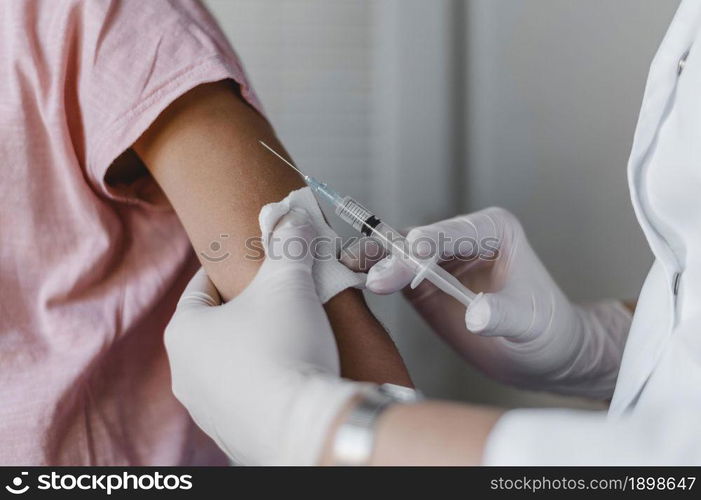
(399, 392)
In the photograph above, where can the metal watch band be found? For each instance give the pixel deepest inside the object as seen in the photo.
(355, 438)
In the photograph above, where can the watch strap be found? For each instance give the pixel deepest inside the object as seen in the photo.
(355, 438)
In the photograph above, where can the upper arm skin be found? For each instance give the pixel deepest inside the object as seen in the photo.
(204, 153)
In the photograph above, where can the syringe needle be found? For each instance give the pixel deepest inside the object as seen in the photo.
(283, 159)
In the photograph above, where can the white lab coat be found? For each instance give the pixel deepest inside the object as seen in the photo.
(655, 413)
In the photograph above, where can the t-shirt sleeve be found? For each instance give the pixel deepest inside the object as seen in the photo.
(137, 57)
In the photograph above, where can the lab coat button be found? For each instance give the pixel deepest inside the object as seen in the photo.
(682, 63)
(675, 286)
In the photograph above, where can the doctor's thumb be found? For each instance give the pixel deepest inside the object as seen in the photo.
(292, 241)
(500, 315)
(388, 276)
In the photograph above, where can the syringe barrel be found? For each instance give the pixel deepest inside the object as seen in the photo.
(354, 214)
(394, 243)
(368, 224)
(365, 222)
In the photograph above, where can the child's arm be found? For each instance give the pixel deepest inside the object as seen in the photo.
(203, 151)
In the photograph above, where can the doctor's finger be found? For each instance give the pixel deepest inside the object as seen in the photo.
(465, 236)
(389, 275)
(362, 255)
(289, 257)
(500, 315)
(200, 292)
(290, 242)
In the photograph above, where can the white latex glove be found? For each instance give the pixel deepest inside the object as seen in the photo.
(260, 374)
(523, 330)
(330, 276)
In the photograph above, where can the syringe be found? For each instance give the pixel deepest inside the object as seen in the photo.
(364, 221)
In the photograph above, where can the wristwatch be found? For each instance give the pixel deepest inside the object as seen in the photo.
(355, 438)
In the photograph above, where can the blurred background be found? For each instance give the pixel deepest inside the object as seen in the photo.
(423, 109)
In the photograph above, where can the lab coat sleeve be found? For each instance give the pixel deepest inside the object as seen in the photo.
(667, 436)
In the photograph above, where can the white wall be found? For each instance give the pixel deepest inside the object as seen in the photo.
(553, 92)
(311, 64)
(555, 87)
(421, 108)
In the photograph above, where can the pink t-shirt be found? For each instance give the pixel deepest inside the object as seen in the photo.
(90, 274)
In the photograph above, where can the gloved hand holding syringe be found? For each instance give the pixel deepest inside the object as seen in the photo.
(364, 221)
